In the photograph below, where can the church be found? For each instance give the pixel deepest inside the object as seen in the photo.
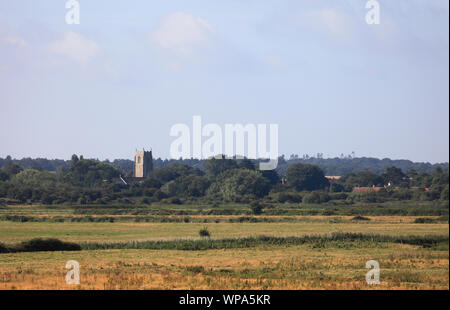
(143, 163)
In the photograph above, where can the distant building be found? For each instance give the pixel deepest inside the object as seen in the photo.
(143, 163)
(333, 178)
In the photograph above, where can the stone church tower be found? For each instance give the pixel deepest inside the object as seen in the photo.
(143, 163)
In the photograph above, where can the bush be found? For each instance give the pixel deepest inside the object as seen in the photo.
(176, 201)
(3, 248)
(289, 197)
(338, 196)
(360, 218)
(316, 197)
(204, 232)
(159, 195)
(38, 244)
(257, 207)
(424, 220)
(195, 269)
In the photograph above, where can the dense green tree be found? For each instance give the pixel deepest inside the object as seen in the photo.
(34, 178)
(215, 166)
(395, 176)
(246, 164)
(272, 176)
(306, 177)
(12, 169)
(151, 182)
(192, 185)
(362, 178)
(173, 171)
(444, 193)
(233, 185)
(87, 172)
(3, 175)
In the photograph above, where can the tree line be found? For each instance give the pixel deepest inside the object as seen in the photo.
(330, 166)
(88, 181)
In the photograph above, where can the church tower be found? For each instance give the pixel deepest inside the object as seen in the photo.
(143, 163)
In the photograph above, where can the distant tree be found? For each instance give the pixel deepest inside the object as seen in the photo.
(306, 177)
(214, 166)
(246, 164)
(12, 169)
(444, 194)
(394, 175)
(3, 175)
(272, 176)
(173, 171)
(34, 178)
(362, 178)
(151, 182)
(235, 184)
(87, 172)
(74, 160)
(192, 185)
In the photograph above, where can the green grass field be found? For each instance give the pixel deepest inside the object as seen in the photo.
(127, 231)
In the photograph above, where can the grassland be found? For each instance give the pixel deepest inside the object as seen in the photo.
(125, 231)
(294, 267)
(338, 264)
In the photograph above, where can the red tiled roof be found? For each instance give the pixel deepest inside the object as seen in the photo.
(366, 189)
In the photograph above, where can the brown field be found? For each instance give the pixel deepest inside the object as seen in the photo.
(296, 267)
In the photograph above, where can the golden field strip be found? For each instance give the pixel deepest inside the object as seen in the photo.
(334, 266)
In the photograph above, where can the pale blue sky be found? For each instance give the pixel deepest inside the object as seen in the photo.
(132, 69)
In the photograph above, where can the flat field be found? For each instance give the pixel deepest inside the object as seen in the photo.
(338, 264)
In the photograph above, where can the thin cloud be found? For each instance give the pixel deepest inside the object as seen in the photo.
(14, 41)
(182, 33)
(333, 22)
(76, 47)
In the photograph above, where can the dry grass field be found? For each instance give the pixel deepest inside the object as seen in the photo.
(295, 267)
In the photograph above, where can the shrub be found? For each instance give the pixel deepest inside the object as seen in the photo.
(257, 207)
(159, 195)
(338, 196)
(360, 218)
(195, 269)
(176, 201)
(204, 232)
(424, 220)
(314, 240)
(289, 197)
(316, 197)
(38, 244)
(3, 248)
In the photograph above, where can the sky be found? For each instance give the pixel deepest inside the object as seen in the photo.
(130, 70)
